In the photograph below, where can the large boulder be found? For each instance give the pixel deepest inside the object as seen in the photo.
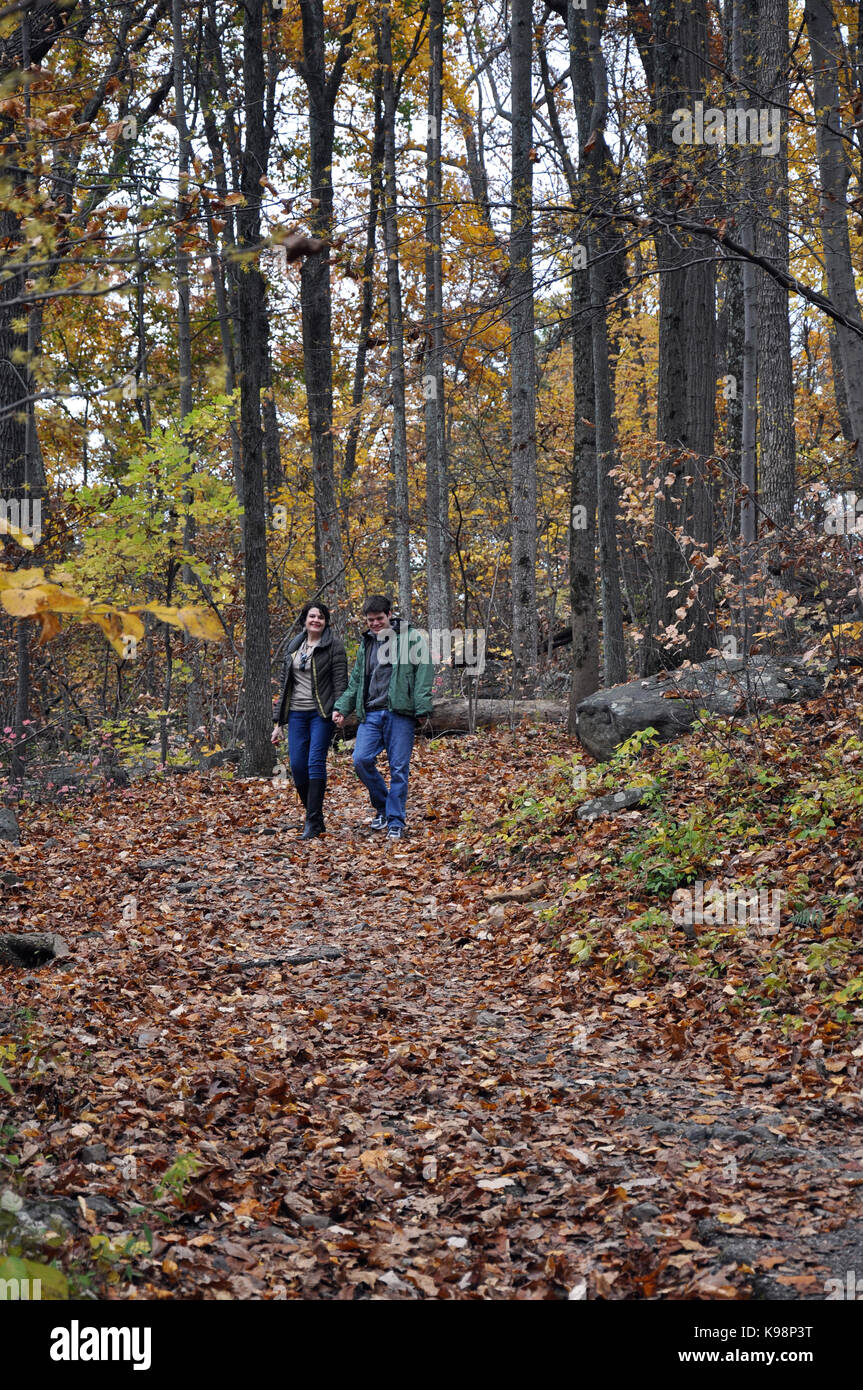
(221, 757)
(670, 701)
(625, 800)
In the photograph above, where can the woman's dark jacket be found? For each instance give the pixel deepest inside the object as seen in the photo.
(329, 667)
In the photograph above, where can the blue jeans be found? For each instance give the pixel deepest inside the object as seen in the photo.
(309, 739)
(381, 729)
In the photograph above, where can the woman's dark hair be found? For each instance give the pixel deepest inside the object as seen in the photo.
(321, 607)
(377, 603)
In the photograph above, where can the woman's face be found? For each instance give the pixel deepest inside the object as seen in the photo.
(315, 622)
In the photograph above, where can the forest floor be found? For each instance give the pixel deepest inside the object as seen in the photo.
(463, 1101)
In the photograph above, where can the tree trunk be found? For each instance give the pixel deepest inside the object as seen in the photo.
(184, 331)
(599, 183)
(437, 482)
(613, 653)
(225, 304)
(272, 449)
(839, 386)
(583, 474)
(777, 477)
(455, 714)
(523, 363)
(744, 44)
(194, 696)
(368, 283)
(259, 753)
(316, 292)
(395, 325)
(687, 320)
(13, 349)
(835, 168)
(582, 501)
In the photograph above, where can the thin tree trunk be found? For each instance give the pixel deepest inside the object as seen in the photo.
(731, 358)
(583, 474)
(25, 373)
(252, 335)
(184, 332)
(225, 298)
(36, 34)
(272, 449)
(687, 322)
(395, 325)
(613, 652)
(835, 169)
(839, 387)
(316, 291)
(730, 326)
(368, 283)
(437, 484)
(744, 42)
(226, 337)
(194, 697)
(599, 183)
(14, 387)
(777, 476)
(523, 361)
(582, 501)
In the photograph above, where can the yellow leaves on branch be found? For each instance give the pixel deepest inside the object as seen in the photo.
(30, 594)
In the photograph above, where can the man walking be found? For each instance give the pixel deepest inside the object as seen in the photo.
(390, 687)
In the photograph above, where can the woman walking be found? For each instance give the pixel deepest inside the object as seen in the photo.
(314, 675)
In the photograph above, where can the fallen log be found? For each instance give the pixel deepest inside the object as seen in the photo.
(453, 714)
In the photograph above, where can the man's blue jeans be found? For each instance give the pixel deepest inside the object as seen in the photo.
(309, 738)
(381, 729)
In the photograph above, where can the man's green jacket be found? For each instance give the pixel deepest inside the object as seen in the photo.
(410, 688)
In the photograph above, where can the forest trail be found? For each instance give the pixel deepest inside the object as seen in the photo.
(443, 1109)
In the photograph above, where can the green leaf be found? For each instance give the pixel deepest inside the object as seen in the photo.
(13, 1268)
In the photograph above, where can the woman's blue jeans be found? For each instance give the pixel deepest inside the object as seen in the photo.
(309, 738)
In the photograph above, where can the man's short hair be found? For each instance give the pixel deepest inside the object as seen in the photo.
(378, 603)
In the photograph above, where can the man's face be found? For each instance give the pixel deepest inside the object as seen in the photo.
(378, 623)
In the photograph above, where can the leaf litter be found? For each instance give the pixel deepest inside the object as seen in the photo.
(438, 1099)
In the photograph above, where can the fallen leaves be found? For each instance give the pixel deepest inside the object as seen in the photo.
(425, 1113)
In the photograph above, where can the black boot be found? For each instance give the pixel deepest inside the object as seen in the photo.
(303, 794)
(315, 808)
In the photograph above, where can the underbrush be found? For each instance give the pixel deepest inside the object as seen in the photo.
(740, 873)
